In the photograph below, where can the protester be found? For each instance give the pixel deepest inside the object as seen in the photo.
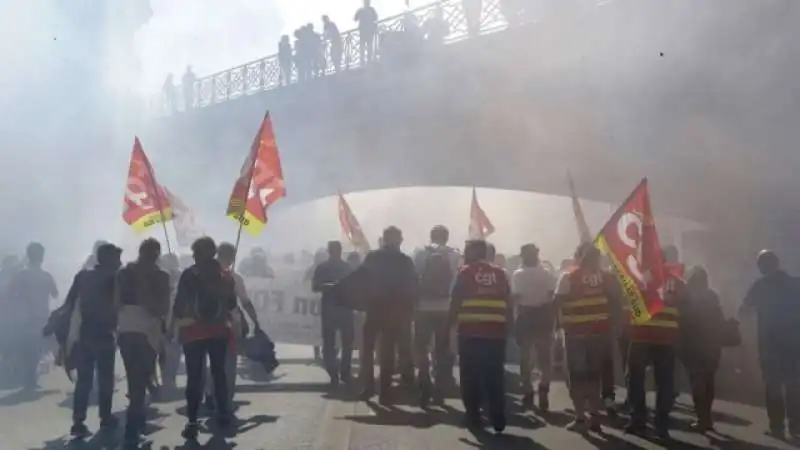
(389, 312)
(532, 289)
(29, 293)
(437, 265)
(206, 296)
(702, 327)
(336, 320)
(589, 301)
(92, 293)
(481, 306)
(143, 298)
(774, 300)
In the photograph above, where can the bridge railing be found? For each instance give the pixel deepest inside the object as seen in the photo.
(264, 74)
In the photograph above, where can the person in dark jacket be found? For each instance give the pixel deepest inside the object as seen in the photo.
(397, 291)
(143, 296)
(92, 291)
(203, 304)
(775, 299)
(702, 324)
(335, 318)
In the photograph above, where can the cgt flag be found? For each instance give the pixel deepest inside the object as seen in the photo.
(580, 219)
(630, 240)
(145, 202)
(351, 227)
(480, 227)
(260, 182)
(183, 218)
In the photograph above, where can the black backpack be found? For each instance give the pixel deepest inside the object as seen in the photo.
(213, 297)
(438, 275)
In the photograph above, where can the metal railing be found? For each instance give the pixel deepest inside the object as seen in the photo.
(265, 74)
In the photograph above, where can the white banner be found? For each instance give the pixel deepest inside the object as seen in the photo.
(287, 308)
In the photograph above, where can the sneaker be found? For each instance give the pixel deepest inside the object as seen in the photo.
(701, 427)
(109, 423)
(777, 433)
(527, 401)
(579, 425)
(190, 431)
(636, 430)
(79, 431)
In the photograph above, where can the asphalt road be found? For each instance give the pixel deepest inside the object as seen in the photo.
(294, 411)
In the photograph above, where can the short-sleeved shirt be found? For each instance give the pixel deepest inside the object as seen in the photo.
(776, 300)
(532, 286)
(32, 289)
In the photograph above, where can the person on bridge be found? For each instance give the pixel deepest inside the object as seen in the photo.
(92, 291)
(367, 19)
(396, 293)
(142, 294)
(654, 342)
(532, 288)
(589, 300)
(205, 299)
(437, 265)
(774, 300)
(481, 307)
(336, 320)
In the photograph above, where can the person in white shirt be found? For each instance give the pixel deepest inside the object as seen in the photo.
(532, 289)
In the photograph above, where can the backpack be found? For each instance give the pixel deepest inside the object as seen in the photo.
(438, 275)
(213, 297)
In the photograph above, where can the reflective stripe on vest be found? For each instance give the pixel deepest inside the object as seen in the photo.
(586, 312)
(481, 310)
(661, 329)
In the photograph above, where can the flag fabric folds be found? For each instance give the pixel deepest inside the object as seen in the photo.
(184, 220)
(260, 182)
(145, 202)
(580, 220)
(480, 227)
(351, 228)
(630, 240)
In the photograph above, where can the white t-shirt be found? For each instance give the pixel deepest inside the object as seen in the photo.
(531, 286)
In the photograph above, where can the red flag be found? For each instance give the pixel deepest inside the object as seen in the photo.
(145, 201)
(580, 220)
(184, 220)
(260, 182)
(630, 240)
(480, 227)
(351, 227)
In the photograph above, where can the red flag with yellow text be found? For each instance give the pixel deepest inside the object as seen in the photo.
(260, 182)
(480, 227)
(145, 202)
(630, 240)
(351, 228)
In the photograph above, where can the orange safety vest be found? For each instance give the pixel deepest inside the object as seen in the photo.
(662, 328)
(484, 310)
(586, 311)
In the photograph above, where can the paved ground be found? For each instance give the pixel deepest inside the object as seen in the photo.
(293, 412)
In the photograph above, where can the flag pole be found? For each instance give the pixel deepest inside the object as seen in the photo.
(157, 198)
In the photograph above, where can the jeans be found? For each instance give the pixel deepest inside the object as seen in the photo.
(339, 321)
(781, 372)
(94, 357)
(432, 326)
(231, 368)
(139, 359)
(194, 354)
(662, 358)
(481, 366)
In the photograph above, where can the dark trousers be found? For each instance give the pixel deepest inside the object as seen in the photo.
(337, 321)
(481, 366)
(139, 359)
(430, 327)
(608, 368)
(781, 372)
(94, 357)
(662, 358)
(702, 370)
(194, 354)
(395, 344)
